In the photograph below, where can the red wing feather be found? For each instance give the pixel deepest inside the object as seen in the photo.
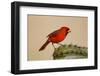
(53, 34)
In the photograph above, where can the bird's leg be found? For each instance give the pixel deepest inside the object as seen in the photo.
(60, 44)
(54, 51)
(53, 46)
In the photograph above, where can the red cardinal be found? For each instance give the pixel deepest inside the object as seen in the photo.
(56, 36)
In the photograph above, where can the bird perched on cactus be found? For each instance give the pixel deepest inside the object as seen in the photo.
(56, 36)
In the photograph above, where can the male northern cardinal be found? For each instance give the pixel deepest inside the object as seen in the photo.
(56, 36)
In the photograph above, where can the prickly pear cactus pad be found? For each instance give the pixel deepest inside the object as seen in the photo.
(70, 52)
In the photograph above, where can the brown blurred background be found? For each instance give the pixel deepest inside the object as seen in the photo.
(40, 26)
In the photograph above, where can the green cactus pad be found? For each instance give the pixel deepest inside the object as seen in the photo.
(70, 52)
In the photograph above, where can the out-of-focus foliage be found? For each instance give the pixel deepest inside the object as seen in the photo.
(69, 50)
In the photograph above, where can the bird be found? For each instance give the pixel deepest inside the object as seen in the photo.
(56, 37)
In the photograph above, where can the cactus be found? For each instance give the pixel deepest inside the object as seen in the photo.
(67, 50)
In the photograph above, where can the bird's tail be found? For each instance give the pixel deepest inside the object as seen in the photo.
(44, 45)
